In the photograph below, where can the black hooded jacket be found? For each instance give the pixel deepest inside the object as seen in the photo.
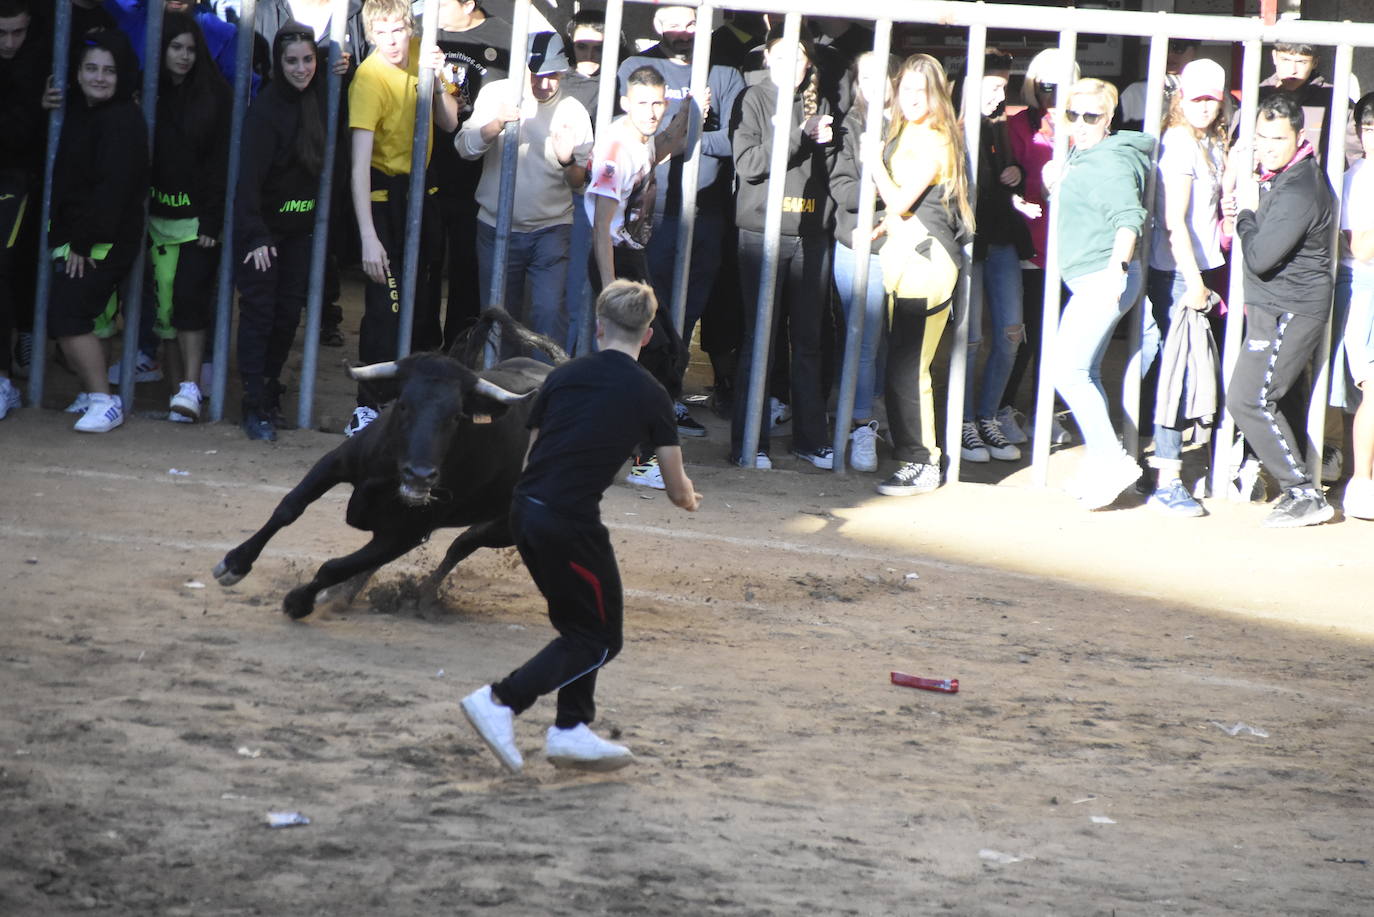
(276, 192)
(191, 155)
(100, 178)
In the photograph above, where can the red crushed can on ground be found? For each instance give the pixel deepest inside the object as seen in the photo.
(944, 685)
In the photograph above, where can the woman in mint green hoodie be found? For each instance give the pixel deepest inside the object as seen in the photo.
(1101, 186)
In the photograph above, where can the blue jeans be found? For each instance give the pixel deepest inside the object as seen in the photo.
(1352, 331)
(996, 285)
(542, 257)
(579, 287)
(1097, 303)
(875, 308)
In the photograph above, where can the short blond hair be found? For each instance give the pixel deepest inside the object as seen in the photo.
(378, 10)
(627, 306)
(1049, 66)
(1099, 89)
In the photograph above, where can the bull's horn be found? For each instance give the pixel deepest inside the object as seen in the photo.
(497, 393)
(373, 371)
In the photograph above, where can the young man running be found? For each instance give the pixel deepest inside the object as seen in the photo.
(589, 417)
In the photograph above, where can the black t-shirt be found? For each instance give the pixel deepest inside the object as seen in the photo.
(479, 56)
(591, 414)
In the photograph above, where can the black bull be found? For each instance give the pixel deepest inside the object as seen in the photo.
(446, 453)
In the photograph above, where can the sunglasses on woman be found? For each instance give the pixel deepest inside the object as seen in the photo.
(1089, 117)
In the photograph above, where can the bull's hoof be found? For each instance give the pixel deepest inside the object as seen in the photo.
(226, 577)
(299, 602)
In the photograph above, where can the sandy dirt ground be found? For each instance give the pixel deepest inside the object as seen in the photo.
(151, 719)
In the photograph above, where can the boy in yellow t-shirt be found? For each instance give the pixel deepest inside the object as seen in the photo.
(381, 114)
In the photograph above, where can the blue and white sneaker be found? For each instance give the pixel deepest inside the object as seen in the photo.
(104, 413)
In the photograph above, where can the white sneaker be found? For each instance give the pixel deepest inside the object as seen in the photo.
(778, 412)
(1359, 498)
(79, 404)
(863, 447)
(362, 416)
(1013, 425)
(999, 447)
(9, 397)
(647, 475)
(185, 407)
(495, 723)
(582, 748)
(761, 462)
(146, 369)
(104, 413)
(1100, 483)
(971, 445)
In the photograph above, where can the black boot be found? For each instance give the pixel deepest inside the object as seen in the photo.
(272, 391)
(331, 318)
(256, 424)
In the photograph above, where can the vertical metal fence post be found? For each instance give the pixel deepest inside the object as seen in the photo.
(1131, 393)
(133, 290)
(224, 288)
(510, 150)
(958, 353)
(415, 195)
(61, 69)
(605, 107)
(1044, 389)
(1335, 174)
(314, 297)
(772, 229)
(1224, 455)
(691, 167)
(862, 244)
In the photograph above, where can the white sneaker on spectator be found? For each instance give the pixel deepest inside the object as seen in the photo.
(761, 462)
(185, 406)
(580, 747)
(362, 416)
(9, 397)
(495, 723)
(146, 369)
(1333, 463)
(999, 447)
(79, 404)
(647, 474)
(971, 445)
(1013, 425)
(1359, 498)
(778, 412)
(1099, 483)
(104, 413)
(863, 447)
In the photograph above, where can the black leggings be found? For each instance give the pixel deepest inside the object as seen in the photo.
(270, 304)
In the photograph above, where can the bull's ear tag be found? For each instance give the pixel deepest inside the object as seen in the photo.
(481, 418)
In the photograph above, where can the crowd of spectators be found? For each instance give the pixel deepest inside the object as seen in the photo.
(590, 208)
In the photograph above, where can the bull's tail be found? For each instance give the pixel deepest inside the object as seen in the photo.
(508, 338)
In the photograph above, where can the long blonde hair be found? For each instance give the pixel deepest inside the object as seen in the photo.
(944, 122)
(1218, 133)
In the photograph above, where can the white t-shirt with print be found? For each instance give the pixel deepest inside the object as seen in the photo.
(622, 168)
(1182, 154)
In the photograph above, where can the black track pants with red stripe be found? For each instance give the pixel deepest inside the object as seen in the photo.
(573, 564)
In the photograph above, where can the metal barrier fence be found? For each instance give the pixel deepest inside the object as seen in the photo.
(977, 18)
